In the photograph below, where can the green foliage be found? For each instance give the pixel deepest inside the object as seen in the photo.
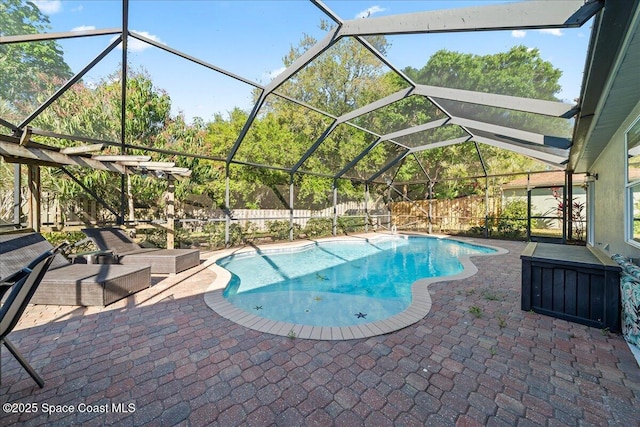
(319, 227)
(513, 219)
(73, 237)
(215, 232)
(348, 224)
(476, 311)
(518, 72)
(157, 237)
(279, 230)
(27, 67)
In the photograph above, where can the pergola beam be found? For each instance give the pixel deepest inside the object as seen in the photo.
(82, 149)
(13, 149)
(510, 16)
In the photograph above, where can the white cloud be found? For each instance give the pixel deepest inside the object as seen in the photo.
(48, 7)
(274, 73)
(84, 28)
(518, 34)
(136, 45)
(553, 31)
(369, 11)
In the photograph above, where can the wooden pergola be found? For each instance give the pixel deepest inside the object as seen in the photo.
(21, 150)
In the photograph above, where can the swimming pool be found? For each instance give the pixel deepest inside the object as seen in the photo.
(341, 283)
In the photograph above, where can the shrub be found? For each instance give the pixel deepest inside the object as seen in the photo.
(279, 230)
(318, 227)
(216, 233)
(513, 219)
(350, 224)
(73, 237)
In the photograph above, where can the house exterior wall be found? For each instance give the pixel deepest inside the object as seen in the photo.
(609, 203)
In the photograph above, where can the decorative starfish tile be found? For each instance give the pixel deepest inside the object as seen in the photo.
(258, 307)
(361, 315)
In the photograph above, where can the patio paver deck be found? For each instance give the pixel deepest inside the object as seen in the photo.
(177, 362)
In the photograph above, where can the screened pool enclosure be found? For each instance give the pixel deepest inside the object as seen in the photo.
(241, 120)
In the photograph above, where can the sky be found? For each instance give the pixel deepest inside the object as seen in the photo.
(250, 38)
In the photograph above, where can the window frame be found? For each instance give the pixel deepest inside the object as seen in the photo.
(630, 185)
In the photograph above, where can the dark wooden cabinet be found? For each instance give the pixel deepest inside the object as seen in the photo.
(573, 283)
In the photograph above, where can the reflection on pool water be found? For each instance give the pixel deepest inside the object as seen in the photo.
(338, 283)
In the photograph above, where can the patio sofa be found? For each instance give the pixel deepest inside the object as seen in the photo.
(66, 283)
(128, 252)
(630, 299)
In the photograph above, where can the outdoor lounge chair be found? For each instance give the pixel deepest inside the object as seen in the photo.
(66, 283)
(164, 261)
(26, 283)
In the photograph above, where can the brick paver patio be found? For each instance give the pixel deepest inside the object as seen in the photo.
(163, 357)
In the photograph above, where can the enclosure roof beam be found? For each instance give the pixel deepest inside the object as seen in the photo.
(315, 146)
(57, 36)
(382, 58)
(558, 152)
(521, 135)
(382, 102)
(440, 144)
(415, 129)
(388, 166)
(528, 105)
(548, 158)
(359, 157)
(320, 5)
(192, 59)
(70, 83)
(509, 16)
(309, 55)
(390, 137)
(90, 191)
(11, 126)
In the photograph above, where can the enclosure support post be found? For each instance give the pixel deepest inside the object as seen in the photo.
(528, 209)
(366, 206)
(17, 196)
(171, 225)
(430, 206)
(291, 208)
(389, 208)
(123, 111)
(227, 211)
(335, 208)
(486, 207)
(132, 214)
(569, 204)
(34, 197)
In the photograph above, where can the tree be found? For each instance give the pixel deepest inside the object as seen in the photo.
(27, 67)
(95, 112)
(345, 77)
(518, 72)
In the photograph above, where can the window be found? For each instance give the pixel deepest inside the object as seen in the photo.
(632, 138)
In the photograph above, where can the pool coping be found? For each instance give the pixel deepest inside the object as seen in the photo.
(418, 309)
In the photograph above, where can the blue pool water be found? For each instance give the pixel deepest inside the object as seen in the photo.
(340, 283)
